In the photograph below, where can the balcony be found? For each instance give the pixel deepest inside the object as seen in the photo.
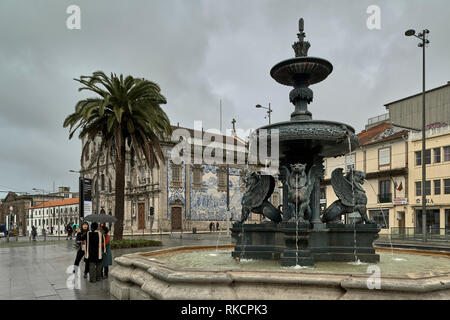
(385, 197)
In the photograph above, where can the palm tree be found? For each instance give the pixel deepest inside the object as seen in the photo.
(126, 113)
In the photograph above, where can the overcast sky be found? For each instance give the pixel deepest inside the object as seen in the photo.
(200, 52)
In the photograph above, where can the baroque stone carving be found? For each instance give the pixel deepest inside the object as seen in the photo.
(352, 197)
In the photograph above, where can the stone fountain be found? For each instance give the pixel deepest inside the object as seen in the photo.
(298, 235)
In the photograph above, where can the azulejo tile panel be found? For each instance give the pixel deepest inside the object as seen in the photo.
(211, 204)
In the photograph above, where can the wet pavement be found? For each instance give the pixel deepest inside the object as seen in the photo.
(42, 271)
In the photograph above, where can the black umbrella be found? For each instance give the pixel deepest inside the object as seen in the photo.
(100, 218)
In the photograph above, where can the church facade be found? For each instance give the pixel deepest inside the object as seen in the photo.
(173, 197)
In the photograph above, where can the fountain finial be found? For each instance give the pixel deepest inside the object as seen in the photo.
(301, 47)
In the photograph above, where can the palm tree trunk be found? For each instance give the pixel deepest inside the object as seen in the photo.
(120, 194)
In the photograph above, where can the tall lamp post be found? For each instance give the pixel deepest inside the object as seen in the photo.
(43, 210)
(269, 111)
(80, 196)
(423, 37)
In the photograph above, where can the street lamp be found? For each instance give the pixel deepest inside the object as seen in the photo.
(43, 210)
(422, 36)
(269, 111)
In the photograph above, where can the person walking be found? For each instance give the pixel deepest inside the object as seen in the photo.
(81, 252)
(211, 227)
(217, 226)
(107, 256)
(69, 231)
(94, 252)
(33, 233)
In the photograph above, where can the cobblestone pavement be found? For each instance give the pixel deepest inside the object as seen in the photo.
(39, 271)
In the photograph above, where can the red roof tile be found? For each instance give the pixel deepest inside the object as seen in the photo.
(56, 203)
(368, 135)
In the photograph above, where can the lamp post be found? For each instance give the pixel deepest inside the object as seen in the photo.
(423, 37)
(43, 210)
(80, 196)
(269, 111)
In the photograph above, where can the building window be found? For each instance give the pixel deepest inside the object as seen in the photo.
(447, 186)
(437, 187)
(447, 218)
(384, 156)
(142, 180)
(447, 153)
(427, 188)
(385, 194)
(197, 177)
(381, 217)
(222, 179)
(103, 181)
(176, 176)
(432, 221)
(427, 156)
(418, 189)
(418, 158)
(437, 155)
(110, 186)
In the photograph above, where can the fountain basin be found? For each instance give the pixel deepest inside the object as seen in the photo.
(156, 275)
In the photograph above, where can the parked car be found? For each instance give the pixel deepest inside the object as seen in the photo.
(2, 234)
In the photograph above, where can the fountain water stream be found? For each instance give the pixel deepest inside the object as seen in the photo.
(297, 220)
(385, 223)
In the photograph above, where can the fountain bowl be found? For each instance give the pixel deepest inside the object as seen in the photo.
(146, 276)
(294, 71)
(326, 138)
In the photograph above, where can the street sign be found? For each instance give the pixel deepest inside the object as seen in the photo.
(399, 201)
(85, 190)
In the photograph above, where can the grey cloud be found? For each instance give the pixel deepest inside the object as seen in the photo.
(199, 51)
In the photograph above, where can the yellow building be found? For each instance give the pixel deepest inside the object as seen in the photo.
(437, 188)
(383, 156)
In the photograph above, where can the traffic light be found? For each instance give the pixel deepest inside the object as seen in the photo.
(152, 211)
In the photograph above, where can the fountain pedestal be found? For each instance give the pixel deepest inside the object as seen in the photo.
(296, 239)
(336, 242)
(257, 241)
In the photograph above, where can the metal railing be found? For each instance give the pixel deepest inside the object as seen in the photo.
(414, 233)
(377, 119)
